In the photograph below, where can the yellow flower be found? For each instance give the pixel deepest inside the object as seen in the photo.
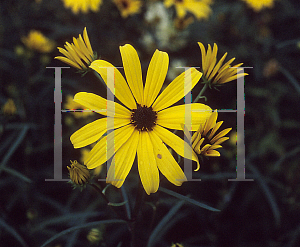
(128, 7)
(79, 174)
(38, 42)
(182, 23)
(258, 5)
(140, 125)
(71, 105)
(9, 108)
(83, 5)
(94, 236)
(204, 141)
(200, 8)
(215, 74)
(78, 54)
(177, 245)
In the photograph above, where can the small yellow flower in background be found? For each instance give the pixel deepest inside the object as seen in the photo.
(9, 108)
(38, 42)
(82, 5)
(79, 174)
(213, 73)
(72, 105)
(78, 54)
(128, 7)
(140, 127)
(204, 141)
(258, 5)
(182, 23)
(200, 8)
(177, 245)
(94, 236)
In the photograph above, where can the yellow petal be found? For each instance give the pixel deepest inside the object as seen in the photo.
(147, 164)
(220, 134)
(176, 143)
(215, 129)
(177, 89)
(102, 106)
(166, 162)
(87, 41)
(217, 67)
(156, 76)
(122, 161)
(107, 146)
(173, 117)
(221, 140)
(133, 71)
(212, 60)
(211, 122)
(203, 53)
(68, 61)
(93, 131)
(197, 147)
(120, 88)
(212, 153)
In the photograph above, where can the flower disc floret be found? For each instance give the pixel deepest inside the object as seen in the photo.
(143, 118)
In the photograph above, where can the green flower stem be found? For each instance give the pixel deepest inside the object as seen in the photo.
(99, 190)
(140, 197)
(100, 78)
(201, 93)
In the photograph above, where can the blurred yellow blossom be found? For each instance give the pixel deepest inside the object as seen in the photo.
(128, 7)
(200, 8)
(9, 108)
(82, 5)
(258, 5)
(35, 40)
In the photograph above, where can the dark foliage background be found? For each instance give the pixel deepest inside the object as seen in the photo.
(264, 212)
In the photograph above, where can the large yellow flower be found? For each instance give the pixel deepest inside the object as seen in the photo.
(140, 125)
(83, 5)
(200, 8)
(78, 54)
(258, 5)
(215, 74)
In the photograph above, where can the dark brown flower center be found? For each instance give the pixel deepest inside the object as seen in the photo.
(125, 4)
(143, 118)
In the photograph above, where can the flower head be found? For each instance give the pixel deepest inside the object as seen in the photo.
(78, 54)
(200, 8)
(204, 139)
(128, 7)
(9, 108)
(213, 73)
(94, 236)
(140, 125)
(258, 5)
(79, 174)
(38, 42)
(82, 5)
